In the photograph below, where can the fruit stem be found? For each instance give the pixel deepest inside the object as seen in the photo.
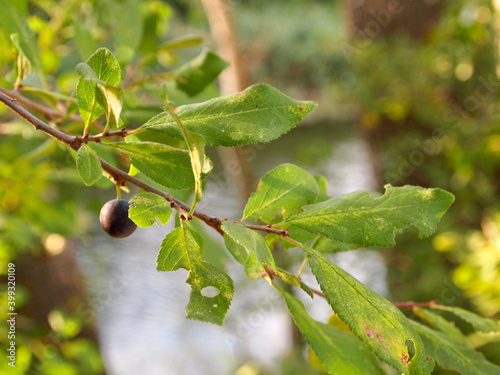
(118, 191)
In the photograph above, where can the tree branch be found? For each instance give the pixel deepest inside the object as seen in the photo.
(47, 112)
(268, 229)
(12, 103)
(122, 177)
(118, 175)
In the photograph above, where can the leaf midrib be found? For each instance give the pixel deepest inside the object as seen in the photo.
(367, 210)
(218, 116)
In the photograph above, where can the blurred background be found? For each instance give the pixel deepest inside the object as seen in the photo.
(408, 93)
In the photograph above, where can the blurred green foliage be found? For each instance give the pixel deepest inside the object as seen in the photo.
(433, 105)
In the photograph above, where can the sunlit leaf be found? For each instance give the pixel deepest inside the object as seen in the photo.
(478, 322)
(146, 208)
(100, 72)
(292, 280)
(372, 318)
(196, 74)
(454, 355)
(196, 148)
(281, 192)
(212, 289)
(181, 42)
(259, 114)
(88, 165)
(249, 248)
(441, 324)
(341, 353)
(170, 167)
(370, 219)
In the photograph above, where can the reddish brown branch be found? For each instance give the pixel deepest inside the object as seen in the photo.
(47, 112)
(118, 175)
(318, 292)
(268, 229)
(12, 103)
(402, 305)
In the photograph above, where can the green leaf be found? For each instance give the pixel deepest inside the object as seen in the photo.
(323, 188)
(103, 68)
(89, 108)
(376, 321)
(369, 219)
(85, 43)
(181, 42)
(111, 99)
(127, 22)
(23, 64)
(86, 72)
(441, 323)
(281, 192)
(341, 353)
(88, 165)
(14, 21)
(196, 74)
(182, 248)
(293, 280)
(478, 322)
(259, 114)
(450, 354)
(249, 248)
(168, 166)
(146, 208)
(204, 307)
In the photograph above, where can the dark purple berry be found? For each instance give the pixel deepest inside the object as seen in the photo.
(114, 219)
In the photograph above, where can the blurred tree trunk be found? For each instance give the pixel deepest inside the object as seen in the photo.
(220, 14)
(384, 18)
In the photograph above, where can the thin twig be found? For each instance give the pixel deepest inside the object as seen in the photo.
(47, 112)
(118, 175)
(12, 103)
(268, 229)
(318, 292)
(123, 132)
(402, 305)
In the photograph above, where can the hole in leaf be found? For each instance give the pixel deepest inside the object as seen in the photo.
(411, 349)
(210, 291)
